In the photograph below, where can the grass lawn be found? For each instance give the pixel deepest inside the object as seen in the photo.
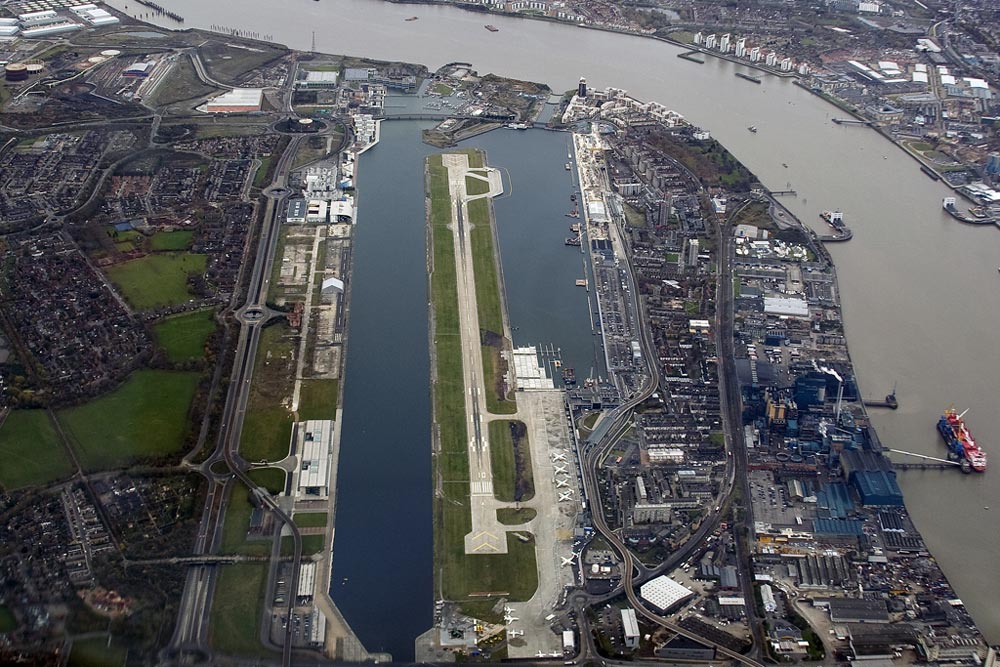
(181, 84)
(496, 402)
(485, 267)
(475, 186)
(458, 575)
(176, 240)
(7, 620)
(157, 280)
(144, 418)
(237, 523)
(95, 652)
(590, 420)
(237, 609)
(514, 517)
(441, 89)
(267, 427)
(272, 479)
(310, 519)
(183, 336)
(311, 544)
(318, 399)
(31, 451)
(512, 479)
(263, 177)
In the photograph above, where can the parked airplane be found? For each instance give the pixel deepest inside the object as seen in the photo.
(562, 483)
(558, 456)
(567, 562)
(568, 495)
(561, 469)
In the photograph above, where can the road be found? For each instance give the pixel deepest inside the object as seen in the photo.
(189, 643)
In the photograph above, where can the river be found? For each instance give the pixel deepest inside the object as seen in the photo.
(919, 291)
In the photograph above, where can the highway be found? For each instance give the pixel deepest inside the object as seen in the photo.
(189, 643)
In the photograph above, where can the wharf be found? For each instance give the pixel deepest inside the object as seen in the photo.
(852, 121)
(690, 55)
(952, 210)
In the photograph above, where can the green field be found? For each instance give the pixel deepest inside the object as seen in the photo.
(181, 84)
(7, 620)
(177, 240)
(237, 523)
(512, 478)
(457, 574)
(183, 336)
(475, 186)
(311, 544)
(31, 451)
(157, 280)
(512, 517)
(318, 399)
(144, 418)
(237, 608)
(272, 479)
(95, 652)
(310, 519)
(267, 427)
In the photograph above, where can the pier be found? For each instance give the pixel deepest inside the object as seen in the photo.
(952, 210)
(166, 12)
(851, 121)
(925, 463)
(690, 55)
(783, 193)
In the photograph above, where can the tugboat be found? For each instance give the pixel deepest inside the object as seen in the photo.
(753, 128)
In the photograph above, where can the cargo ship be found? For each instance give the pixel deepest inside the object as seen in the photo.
(962, 446)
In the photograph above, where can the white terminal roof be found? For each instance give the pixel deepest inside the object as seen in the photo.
(947, 80)
(239, 97)
(663, 592)
(333, 283)
(731, 601)
(920, 77)
(776, 305)
(597, 211)
(316, 441)
(976, 83)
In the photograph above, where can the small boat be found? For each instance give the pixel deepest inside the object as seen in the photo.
(785, 165)
(412, 18)
(492, 28)
(753, 128)
(567, 166)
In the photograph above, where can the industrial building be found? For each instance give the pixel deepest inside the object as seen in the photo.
(50, 29)
(237, 100)
(296, 211)
(139, 70)
(94, 15)
(313, 443)
(316, 79)
(664, 593)
(630, 628)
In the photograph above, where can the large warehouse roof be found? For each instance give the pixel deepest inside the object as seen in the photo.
(663, 592)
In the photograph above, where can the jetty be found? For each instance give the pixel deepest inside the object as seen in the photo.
(851, 121)
(690, 55)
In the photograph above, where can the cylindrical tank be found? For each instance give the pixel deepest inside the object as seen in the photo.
(15, 72)
(34, 68)
(111, 53)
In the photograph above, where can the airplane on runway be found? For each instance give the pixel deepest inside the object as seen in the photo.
(567, 562)
(568, 495)
(562, 483)
(558, 456)
(561, 469)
